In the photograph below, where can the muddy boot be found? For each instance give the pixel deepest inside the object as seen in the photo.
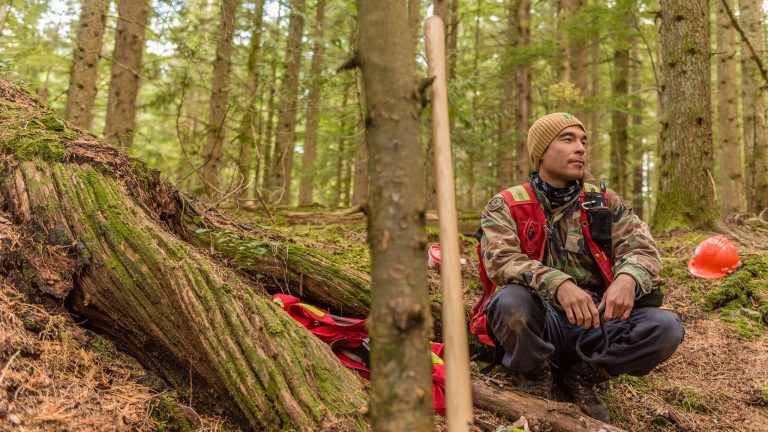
(537, 382)
(580, 380)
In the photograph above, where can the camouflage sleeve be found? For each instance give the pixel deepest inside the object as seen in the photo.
(503, 260)
(634, 250)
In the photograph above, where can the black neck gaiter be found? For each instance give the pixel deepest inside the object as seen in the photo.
(556, 196)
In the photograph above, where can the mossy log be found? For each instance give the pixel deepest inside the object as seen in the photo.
(87, 224)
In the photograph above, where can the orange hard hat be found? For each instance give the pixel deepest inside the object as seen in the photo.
(714, 258)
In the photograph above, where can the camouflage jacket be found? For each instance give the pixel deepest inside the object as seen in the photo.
(567, 256)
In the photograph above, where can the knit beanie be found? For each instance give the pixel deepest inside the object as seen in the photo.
(544, 131)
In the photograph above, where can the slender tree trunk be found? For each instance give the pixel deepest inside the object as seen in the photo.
(593, 120)
(686, 194)
(83, 77)
(132, 20)
(4, 9)
(285, 136)
(472, 157)
(340, 150)
(638, 142)
(452, 53)
(217, 115)
(523, 92)
(576, 57)
(620, 121)
(360, 191)
(247, 134)
(401, 386)
(269, 129)
(732, 195)
(753, 107)
(507, 142)
(306, 189)
(414, 21)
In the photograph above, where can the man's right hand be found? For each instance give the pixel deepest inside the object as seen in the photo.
(578, 305)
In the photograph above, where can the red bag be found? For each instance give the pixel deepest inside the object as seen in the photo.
(349, 341)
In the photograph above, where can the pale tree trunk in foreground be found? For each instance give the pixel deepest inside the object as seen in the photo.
(133, 17)
(217, 114)
(83, 77)
(732, 195)
(400, 321)
(306, 188)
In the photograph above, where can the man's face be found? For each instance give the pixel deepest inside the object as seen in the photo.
(564, 159)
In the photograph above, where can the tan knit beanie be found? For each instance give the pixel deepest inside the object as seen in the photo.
(544, 131)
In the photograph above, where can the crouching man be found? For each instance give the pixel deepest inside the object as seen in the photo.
(560, 249)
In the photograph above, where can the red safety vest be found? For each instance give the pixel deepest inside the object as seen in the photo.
(532, 232)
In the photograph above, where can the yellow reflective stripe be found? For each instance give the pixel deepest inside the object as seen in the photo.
(312, 309)
(519, 193)
(279, 301)
(436, 359)
(591, 188)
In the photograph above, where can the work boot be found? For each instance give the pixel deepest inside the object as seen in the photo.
(537, 382)
(580, 380)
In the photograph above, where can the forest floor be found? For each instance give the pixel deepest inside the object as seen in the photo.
(57, 376)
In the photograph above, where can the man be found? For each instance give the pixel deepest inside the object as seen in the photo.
(583, 262)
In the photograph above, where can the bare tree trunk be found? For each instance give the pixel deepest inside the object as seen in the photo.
(414, 21)
(285, 136)
(219, 106)
(523, 92)
(507, 142)
(472, 157)
(400, 319)
(638, 143)
(732, 194)
(269, 129)
(132, 20)
(593, 120)
(83, 77)
(247, 134)
(575, 58)
(340, 150)
(4, 9)
(360, 190)
(686, 194)
(620, 121)
(306, 189)
(753, 107)
(453, 40)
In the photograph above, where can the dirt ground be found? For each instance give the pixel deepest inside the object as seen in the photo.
(57, 376)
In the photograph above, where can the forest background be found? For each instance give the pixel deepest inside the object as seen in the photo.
(244, 101)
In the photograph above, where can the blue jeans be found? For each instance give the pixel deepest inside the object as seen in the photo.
(531, 330)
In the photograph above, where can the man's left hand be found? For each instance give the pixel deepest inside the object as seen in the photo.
(619, 298)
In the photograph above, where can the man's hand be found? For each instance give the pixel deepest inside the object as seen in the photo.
(578, 305)
(619, 298)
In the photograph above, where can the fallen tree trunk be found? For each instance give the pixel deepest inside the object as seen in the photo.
(542, 413)
(96, 228)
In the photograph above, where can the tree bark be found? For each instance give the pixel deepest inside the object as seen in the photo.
(83, 77)
(686, 194)
(523, 92)
(360, 185)
(269, 129)
(132, 20)
(593, 120)
(753, 108)
(732, 193)
(508, 146)
(400, 320)
(620, 121)
(125, 252)
(306, 188)
(575, 58)
(247, 134)
(285, 136)
(638, 141)
(219, 106)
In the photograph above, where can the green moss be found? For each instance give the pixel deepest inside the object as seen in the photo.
(688, 399)
(101, 348)
(170, 416)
